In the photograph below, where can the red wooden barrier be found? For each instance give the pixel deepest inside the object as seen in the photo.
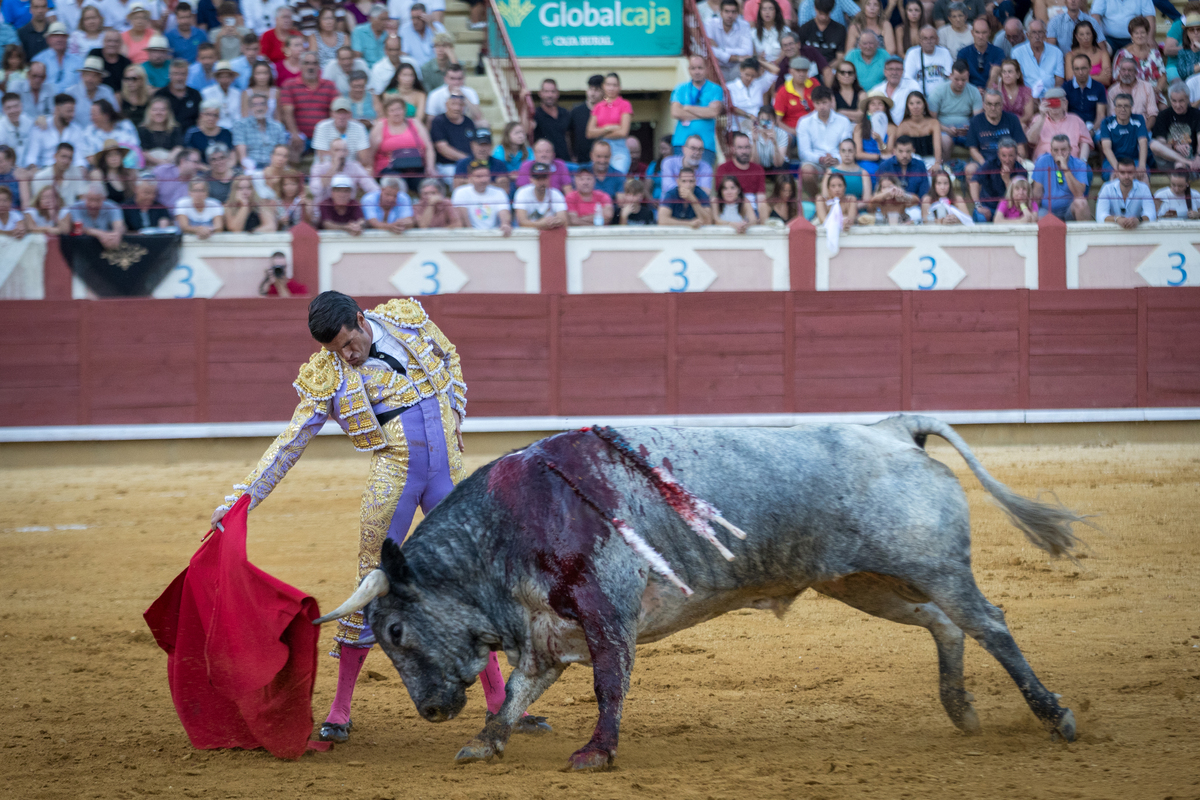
(145, 361)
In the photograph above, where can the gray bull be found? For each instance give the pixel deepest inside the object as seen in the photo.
(584, 544)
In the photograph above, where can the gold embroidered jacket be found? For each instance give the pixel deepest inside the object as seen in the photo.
(329, 387)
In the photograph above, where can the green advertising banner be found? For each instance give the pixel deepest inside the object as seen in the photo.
(593, 28)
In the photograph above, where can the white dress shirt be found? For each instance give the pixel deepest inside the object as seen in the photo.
(815, 138)
(1112, 203)
(435, 103)
(332, 71)
(748, 98)
(382, 72)
(43, 142)
(17, 136)
(736, 43)
(899, 98)
(419, 45)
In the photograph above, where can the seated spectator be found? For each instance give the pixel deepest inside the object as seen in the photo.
(954, 103)
(636, 207)
(221, 171)
(435, 103)
(451, 134)
(1052, 120)
(108, 167)
(274, 40)
(1124, 200)
(481, 150)
(1061, 182)
(173, 179)
(276, 283)
(99, 217)
(402, 146)
(732, 206)
(928, 64)
(343, 127)
(989, 182)
(304, 102)
(256, 136)
(137, 37)
(159, 135)
(957, 34)
(1041, 63)
(362, 103)
(228, 36)
(608, 180)
(1086, 96)
(339, 69)
(185, 101)
(1177, 132)
(987, 129)
(789, 48)
(224, 93)
(145, 211)
(16, 127)
(1187, 59)
(685, 204)
(294, 204)
(537, 204)
(514, 149)
(818, 136)
(86, 36)
(587, 205)
(134, 95)
(1124, 135)
(289, 68)
(339, 164)
(37, 96)
(891, 200)
(909, 175)
(875, 133)
(389, 208)
(750, 176)
(46, 213)
(368, 37)
(61, 67)
(480, 204)
(8, 173)
(157, 66)
(63, 175)
(250, 56)
(12, 221)
(543, 153)
(794, 98)
(197, 213)
(784, 200)
(90, 87)
(1178, 200)
(202, 72)
(245, 211)
(267, 180)
(405, 84)
(982, 57)
(1017, 205)
(435, 210)
(1143, 98)
(107, 123)
(60, 129)
(854, 175)
(939, 207)
(731, 38)
(207, 131)
(115, 60)
(261, 84)
(747, 93)
(186, 37)
(383, 73)
(1084, 42)
(1018, 97)
(692, 157)
(1143, 51)
(895, 86)
(868, 57)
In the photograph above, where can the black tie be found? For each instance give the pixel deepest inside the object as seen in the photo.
(391, 361)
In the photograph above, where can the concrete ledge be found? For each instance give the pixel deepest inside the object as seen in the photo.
(244, 430)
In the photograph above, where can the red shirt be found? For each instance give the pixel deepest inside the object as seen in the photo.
(271, 47)
(586, 209)
(311, 105)
(294, 286)
(753, 179)
(791, 105)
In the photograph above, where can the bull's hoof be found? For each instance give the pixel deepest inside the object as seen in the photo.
(1065, 727)
(968, 722)
(477, 751)
(532, 725)
(589, 758)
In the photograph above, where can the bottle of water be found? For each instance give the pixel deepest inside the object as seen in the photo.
(598, 217)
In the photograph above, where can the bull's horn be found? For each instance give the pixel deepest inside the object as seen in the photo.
(374, 585)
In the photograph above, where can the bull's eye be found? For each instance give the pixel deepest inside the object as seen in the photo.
(394, 631)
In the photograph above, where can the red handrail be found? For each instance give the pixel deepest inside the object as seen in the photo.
(696, 43)
(514, 90)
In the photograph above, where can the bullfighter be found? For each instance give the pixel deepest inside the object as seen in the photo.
(392, 381)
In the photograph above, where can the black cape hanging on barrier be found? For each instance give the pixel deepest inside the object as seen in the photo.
(131, 270)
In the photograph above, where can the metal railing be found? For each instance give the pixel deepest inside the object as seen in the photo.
(516, 103)
(696, 43)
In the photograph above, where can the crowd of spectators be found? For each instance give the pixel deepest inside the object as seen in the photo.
(256, 116)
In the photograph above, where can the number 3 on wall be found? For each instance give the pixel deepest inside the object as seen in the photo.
(930, 272)
(681, 274)
(186, 280)
(431, 276)
(1178, 268)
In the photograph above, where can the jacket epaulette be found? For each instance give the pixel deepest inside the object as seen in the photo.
(403, 311)
(320, 377)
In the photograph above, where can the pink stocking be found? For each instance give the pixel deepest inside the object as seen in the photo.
(349, 665)
(493, 684)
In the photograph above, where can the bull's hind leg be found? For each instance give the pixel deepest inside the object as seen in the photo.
(883, 596)
(966, 606)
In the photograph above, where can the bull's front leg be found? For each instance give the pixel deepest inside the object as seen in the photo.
(522, 691)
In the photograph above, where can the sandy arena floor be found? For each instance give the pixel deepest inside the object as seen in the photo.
(829, 703)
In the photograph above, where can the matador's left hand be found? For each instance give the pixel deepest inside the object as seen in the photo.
(458, 431)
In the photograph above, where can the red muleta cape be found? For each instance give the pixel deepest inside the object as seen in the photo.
(241, 646)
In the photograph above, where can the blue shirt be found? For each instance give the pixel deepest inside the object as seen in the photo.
(842, 11)
(59, 77)
(913, 179)
(1111, 203)
(198, 80)
(16, 12)
(1117, 13)
(680, 209)
(613, 183)
(159, 76)
(1056, 194)
(243, 68)
(980, 64)
(1041, 72)
(1062, 28)
(371, 209)
(1082, 101)
(364, 40)
(1125, 137)
(990, 177)
(984, 136)
(687, 94)
(185, 48)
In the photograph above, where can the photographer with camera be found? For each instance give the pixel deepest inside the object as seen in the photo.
(276, 283)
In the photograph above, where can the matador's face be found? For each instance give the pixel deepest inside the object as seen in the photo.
(353, 344)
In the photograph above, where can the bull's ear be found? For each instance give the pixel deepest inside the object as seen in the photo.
(392, 562)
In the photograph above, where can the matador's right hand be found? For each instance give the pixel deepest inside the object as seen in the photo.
(217, 515)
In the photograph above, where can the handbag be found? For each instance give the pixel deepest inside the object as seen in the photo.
(406, 161)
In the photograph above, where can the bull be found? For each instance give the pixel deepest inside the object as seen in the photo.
(587, 543)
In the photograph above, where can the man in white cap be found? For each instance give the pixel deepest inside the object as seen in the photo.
(341, 126)
(157, 65)
(225, 93)
(61, 67)
(90, 88)
(341, 212)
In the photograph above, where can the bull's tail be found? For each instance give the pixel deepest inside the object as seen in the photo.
(1046, 525)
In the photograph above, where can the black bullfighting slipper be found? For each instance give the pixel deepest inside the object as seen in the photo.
(528, 724)
(333, 732)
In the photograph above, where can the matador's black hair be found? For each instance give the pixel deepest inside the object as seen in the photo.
(329, 312)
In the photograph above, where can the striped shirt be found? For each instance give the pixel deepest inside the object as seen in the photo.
(311, 105)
